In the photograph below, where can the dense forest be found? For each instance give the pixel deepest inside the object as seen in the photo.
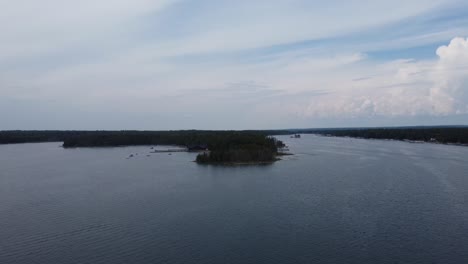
(445, 135)
(31, 136)
(242, 148)
(450, 134)
(122, 138)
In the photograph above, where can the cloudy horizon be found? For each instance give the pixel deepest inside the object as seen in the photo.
(185, 64)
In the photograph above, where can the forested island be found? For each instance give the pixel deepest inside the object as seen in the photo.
(215, 146)
(241, 148)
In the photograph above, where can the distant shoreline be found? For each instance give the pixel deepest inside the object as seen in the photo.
(398, 140)
(450, 135)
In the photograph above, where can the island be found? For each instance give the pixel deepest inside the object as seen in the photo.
(213, 147)
(242, 149)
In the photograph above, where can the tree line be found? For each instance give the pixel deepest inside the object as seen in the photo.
(452, 135)
(455, 135)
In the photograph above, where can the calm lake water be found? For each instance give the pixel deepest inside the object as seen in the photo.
(338, 200)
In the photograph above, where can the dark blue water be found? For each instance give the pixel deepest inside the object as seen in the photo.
(337, 200)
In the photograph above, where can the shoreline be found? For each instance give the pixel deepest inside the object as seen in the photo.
(246, 163)
(227, 164)
(399, 140)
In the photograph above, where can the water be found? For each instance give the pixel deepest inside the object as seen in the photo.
(338, 200)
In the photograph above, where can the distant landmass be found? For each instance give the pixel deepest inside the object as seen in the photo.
(436, 134)
(248, 146)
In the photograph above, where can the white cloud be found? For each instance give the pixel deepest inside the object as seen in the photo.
(438, 87)
(307, 85)
(41, 27)
(245, 24)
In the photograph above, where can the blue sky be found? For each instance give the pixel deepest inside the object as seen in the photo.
(206, 64)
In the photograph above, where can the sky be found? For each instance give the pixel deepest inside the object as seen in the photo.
(219, 64)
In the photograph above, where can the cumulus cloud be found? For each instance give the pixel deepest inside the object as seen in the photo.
(405, 87)
(450, 92)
